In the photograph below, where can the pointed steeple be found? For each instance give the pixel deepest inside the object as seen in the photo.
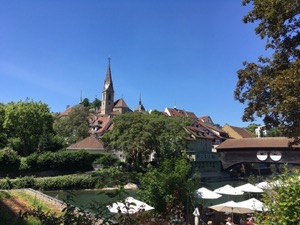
(140, 107)
(107, 93)
(108, 80)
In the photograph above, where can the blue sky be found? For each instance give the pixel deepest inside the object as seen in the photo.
(183, 53)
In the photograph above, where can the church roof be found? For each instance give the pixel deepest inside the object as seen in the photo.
(140, 107)
(120, 103)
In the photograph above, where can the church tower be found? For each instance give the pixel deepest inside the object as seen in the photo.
(140, 107)
(107, 93)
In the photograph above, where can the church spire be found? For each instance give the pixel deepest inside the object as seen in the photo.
(107, 93)
(108, 80)
(140, 107)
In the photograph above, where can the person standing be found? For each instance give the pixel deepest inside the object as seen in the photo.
(229, 221)
(196, 214)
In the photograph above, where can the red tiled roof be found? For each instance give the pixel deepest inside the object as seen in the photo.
(205, 119)
(180, 113)
(90, 142)
(102, 124)
(120, 103)
(198, 132)
(66, 112)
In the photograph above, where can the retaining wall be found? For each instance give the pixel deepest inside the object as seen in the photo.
(58, 204)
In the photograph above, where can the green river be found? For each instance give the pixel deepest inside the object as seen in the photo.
(83, 198)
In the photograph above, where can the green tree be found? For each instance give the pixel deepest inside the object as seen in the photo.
(138, 135)
(9, 161)
(270, 87)
(24, 123)
(3, 136)
(170, 183)
(274, 132)
(96, 103)
(73, 127)
(281, 204)
(86, 103)
(251, 128)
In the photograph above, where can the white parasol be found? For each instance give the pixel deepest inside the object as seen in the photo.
(228, 190)
(205, 193)
(249, 188)
(252, 204)
(263, 185)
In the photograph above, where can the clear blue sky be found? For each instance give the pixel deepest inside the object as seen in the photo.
(183, 53)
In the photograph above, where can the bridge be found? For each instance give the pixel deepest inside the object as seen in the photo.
(275, 150)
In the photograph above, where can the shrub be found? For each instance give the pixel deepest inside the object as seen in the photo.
(67, 182)
(68, 161)
(9, 161)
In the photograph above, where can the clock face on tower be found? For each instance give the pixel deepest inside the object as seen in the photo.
(106, 86)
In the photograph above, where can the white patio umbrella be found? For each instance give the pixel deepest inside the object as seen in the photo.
(252, 204)
(249, 188)
(205, 193)
(231, 207)
(130, 205)
(263, 185)
(228, 190)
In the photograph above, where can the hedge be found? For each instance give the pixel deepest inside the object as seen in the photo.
(67, 182)
(107, 178)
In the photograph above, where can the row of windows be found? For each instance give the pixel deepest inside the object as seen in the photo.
(207, 164)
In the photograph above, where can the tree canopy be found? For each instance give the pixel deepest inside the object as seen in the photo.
(168, 184)
(138, 135)
(25, 123)
(270, 87)
(281, 201)
(73, 127)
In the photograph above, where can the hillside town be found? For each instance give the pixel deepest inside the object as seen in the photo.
(205, 138)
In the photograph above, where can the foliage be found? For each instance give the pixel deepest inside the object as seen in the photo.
(167, 184)
(74, 126)
(9, 161)
(106, 160)
(77, 215)
(104, 178)
(25, 123)
(138, 135)
(109, 177)
(282, 200)
(274, 132)
(86, 102)
(3, 135)
(251, 128)
(91, 105)
(270, 87)
(62, 160)
(96, 103)
(67, 182)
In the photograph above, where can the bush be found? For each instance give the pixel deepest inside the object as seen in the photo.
(67, 182)
(69, 161)
(9, 161)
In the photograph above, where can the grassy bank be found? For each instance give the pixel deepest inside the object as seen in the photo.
(14, 201)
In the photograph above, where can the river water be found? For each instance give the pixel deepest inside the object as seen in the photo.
(83, 198)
